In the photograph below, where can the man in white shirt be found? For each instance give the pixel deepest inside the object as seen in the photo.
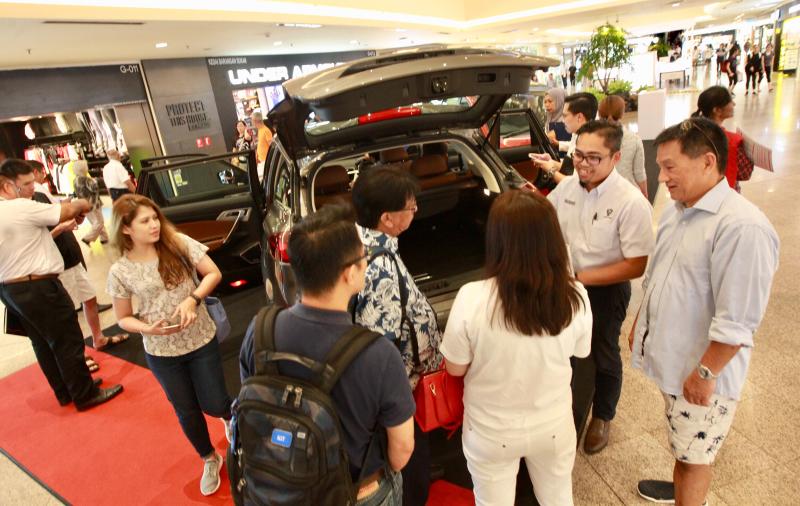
(116, 177)
(706, 291)
(29, 286)
(607, 225)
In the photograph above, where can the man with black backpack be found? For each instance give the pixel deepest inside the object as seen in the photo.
(325, 414)
(391, 303)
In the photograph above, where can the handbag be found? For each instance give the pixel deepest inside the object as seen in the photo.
(744, 165)
(440, 401)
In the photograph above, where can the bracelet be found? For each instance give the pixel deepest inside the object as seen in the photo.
(196, 299)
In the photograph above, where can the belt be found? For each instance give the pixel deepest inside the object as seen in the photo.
(30, 277)
(369, 484)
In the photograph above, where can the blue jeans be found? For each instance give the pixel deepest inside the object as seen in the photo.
(389, 493)
(194, 384)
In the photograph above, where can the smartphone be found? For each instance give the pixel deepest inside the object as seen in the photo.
(171, 327)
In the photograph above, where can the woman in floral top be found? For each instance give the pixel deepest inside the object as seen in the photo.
(385, 205)
(158, 266)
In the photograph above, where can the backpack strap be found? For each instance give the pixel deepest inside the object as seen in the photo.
(264, 340)
(343, 352)
(380, 251)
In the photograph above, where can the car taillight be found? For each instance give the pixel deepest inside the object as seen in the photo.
(397, 112)
(279, 246)
(238, 283)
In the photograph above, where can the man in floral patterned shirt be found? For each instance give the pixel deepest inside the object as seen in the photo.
(385, 202)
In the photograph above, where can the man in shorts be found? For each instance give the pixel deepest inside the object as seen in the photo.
(706, 291)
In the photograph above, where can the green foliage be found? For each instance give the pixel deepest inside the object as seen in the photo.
(608, 50)
(661, 48)
(598, 94)
(619, 87)
(645, 88)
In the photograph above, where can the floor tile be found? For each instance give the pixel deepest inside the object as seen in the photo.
(588, 488)
(775, 487)
(770, 423)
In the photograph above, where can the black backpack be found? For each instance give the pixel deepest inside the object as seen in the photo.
(287, 442)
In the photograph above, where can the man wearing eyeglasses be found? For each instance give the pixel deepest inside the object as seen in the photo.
(29, 286)
(706, 292)
(607, 225)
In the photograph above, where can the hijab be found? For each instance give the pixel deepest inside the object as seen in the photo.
(557, 95)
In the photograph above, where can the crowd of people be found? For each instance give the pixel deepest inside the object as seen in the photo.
(557, 286)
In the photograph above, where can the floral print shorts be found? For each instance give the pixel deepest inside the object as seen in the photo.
(696, 432)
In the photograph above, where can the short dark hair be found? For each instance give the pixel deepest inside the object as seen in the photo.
(380, 190)
(697, 136)
(611, 133)
(12, 168)
(321, 245)
(36, 165)
(582, 103)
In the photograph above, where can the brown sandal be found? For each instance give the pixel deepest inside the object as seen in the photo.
(112, 340)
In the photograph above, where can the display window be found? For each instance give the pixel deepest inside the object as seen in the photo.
(262, 99)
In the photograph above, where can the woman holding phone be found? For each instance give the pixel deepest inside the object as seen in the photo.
(157, 265)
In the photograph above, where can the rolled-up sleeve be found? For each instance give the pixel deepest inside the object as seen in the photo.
(743, 263)
(456, 345)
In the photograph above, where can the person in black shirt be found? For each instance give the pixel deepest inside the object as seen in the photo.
(754, 66)
(329, 263)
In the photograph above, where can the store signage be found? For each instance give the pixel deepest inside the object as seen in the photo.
(273, 74)
(191, 114)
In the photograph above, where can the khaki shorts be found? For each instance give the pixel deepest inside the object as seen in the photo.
(76, 283)
(696, 432)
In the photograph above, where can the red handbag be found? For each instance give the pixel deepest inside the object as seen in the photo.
(440, 401)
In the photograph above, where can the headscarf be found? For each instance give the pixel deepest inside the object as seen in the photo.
(557, 95)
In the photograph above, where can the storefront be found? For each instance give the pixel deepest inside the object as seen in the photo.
(57, 115)
(246, 84)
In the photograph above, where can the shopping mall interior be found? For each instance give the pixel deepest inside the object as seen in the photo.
(169, 90)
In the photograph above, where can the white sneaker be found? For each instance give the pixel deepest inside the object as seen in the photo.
(227, 424)
(209, 482)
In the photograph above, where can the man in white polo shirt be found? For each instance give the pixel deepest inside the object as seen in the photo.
(29, 286)
(607, 225)
(116, 177)
(706, 291)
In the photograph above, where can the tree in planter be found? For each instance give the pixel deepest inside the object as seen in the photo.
(608, 50)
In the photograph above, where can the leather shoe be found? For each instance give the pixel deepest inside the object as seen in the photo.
(102, 395)
(66, 400)
(104, 307)
(596, 436)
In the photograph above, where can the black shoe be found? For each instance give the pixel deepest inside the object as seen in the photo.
(657, 491)
(66, 400)
(88, 243)
(104, 307)
(102, 395)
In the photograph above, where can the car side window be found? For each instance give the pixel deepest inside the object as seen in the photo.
(281, 183)
(194, 182)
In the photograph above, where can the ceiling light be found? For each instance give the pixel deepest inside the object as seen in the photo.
(300, 25)
(353, 41)
(676, 4)
(161, 45)
(277, 43)
(400, 30)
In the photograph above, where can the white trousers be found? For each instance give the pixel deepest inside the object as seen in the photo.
(98, 229)
(493, 462)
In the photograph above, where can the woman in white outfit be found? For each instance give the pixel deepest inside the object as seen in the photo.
(86, 188)
(512, 336)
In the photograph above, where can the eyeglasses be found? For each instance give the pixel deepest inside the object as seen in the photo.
(357, 260)
(688, 124)
(592, 160)
(413, 209)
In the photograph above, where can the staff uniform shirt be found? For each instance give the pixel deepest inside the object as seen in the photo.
(709, 280)
(603, 226)
(26, 246)
(514, 381)
(127, 278)
(115, 175)
(568, 147)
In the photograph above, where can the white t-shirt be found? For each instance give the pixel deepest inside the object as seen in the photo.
(514, 381)
(612, 222)
(45, 189)
(115, 175)
(26, 246)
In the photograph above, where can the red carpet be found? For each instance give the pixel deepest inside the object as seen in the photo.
(130, 450)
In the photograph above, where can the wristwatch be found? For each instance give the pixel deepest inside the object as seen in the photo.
(705, 373)
(197, 300)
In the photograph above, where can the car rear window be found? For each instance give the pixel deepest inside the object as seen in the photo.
(449, 105)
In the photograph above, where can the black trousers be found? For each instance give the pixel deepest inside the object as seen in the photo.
(117, 193)
(417, 473)
(751, 79)
(45, 310)
(609, 307)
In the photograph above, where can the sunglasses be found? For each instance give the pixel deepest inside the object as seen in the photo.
(687, 125)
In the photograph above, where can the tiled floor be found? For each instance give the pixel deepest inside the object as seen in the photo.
(760, 462)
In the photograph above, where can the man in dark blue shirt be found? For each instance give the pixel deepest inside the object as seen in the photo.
(329, 262)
